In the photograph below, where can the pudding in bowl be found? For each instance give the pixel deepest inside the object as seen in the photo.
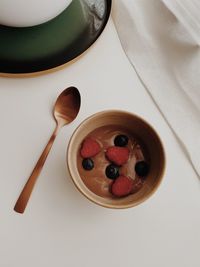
(116, 159)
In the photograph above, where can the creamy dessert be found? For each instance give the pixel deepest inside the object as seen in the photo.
(112, 162)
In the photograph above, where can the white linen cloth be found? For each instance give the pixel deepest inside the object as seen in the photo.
(162, 41)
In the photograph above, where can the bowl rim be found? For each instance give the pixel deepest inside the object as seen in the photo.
(95, 201)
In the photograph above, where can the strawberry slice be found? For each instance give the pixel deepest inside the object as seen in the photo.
(122, 186)
(118, 155)
(90, 148)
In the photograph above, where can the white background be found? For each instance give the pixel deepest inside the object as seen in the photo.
(62, 228)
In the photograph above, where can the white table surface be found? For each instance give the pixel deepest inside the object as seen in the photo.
(62, 228)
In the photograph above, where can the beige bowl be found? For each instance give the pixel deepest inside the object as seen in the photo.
(26, 13)
(138, 127)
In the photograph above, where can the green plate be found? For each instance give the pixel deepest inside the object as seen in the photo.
(52, 44)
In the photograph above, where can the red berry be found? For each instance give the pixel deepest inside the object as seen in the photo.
(118, 155)
(90, 148)
(122, 186)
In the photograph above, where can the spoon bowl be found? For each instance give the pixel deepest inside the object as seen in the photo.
(67, 106)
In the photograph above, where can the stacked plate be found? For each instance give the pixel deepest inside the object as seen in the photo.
(26, 50)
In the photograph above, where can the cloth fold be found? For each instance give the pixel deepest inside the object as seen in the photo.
(187, 12)
(161, 40)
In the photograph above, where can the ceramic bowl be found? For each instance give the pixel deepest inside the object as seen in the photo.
(137, 127)
(24, 13)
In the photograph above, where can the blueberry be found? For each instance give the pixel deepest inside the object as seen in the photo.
(141, 168)
(112, 171)
(121, 140)
(88, 164)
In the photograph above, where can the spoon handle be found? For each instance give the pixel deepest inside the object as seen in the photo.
(27, 190)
